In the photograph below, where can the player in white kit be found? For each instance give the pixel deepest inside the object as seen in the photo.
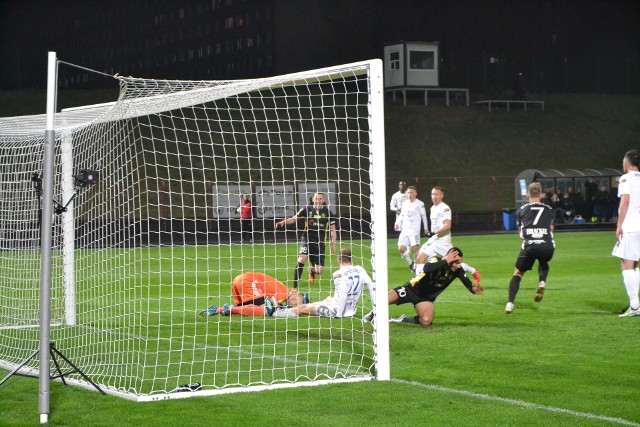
(439, 241)
(627, 247)
(398, 198)
(348, 281)
(412, 219)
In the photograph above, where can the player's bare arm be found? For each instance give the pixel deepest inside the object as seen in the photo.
(446, 226)
(624, 208)
(281, 224)
(334, 239)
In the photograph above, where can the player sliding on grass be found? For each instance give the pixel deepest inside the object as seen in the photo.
(439, 242)
(422, 290)
(348, 281)
(256, 294)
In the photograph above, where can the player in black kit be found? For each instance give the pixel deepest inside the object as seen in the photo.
(535, 221)
(422, 290)
(318, 222)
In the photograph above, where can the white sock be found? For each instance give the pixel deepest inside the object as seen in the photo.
(631, 280)
(406, 257)
(419, 268)
(467, 268)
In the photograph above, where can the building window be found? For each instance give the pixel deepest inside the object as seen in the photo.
(420, 60)
(181, 13)
(228, 23)
(394, 60)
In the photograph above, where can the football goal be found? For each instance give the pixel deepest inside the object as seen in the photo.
(147, 233)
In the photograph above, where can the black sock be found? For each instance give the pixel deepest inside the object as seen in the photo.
(543, 272)
(514, 286)
(297, 275)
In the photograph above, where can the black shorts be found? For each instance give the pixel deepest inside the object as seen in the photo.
(407, 294)
(314, 250)
(532, 253)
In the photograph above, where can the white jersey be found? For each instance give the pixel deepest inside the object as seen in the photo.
(348, 281)
(412, 215)
(397, 200)
(439, 214)
(630, 184)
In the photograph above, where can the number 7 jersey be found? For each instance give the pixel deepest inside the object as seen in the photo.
(535, 222)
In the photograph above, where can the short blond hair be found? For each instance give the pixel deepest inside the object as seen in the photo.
(344, 255)
(535, 189)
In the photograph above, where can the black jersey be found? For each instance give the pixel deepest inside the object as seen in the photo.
(535, 221)
(436, 277)
(316, 223)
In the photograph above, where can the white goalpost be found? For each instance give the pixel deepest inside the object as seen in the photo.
(146, 234)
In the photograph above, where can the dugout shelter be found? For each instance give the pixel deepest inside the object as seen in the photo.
(563, 179)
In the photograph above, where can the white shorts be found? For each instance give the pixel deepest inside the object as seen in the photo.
(326, 307)
(628, 247)
(408, 240)
(436, 247)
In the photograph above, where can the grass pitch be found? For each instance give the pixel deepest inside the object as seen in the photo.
(568, 360)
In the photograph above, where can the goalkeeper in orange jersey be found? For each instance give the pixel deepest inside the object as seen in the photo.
(257, 294)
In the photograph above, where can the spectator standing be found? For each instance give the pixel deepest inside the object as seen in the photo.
(569, 204)
(603, 204)
(246, 218)
(590, 192)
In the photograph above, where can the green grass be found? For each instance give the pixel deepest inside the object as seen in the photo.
(568, 360)
(576, 131)
(137, 309)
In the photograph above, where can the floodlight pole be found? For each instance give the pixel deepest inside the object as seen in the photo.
(45, 242)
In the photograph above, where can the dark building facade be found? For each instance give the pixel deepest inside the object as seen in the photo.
(547, 46)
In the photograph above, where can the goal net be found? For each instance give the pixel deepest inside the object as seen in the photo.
(147, 232)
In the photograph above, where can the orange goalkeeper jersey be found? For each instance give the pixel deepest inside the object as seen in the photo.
(251, 286)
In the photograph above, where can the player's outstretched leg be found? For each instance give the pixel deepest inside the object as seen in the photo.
(212, 310)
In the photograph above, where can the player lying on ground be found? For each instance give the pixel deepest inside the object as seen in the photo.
(422, 290)
(256, 294)
(439, 242)
(348, 282)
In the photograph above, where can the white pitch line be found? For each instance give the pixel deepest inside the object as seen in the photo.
(520, 403)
